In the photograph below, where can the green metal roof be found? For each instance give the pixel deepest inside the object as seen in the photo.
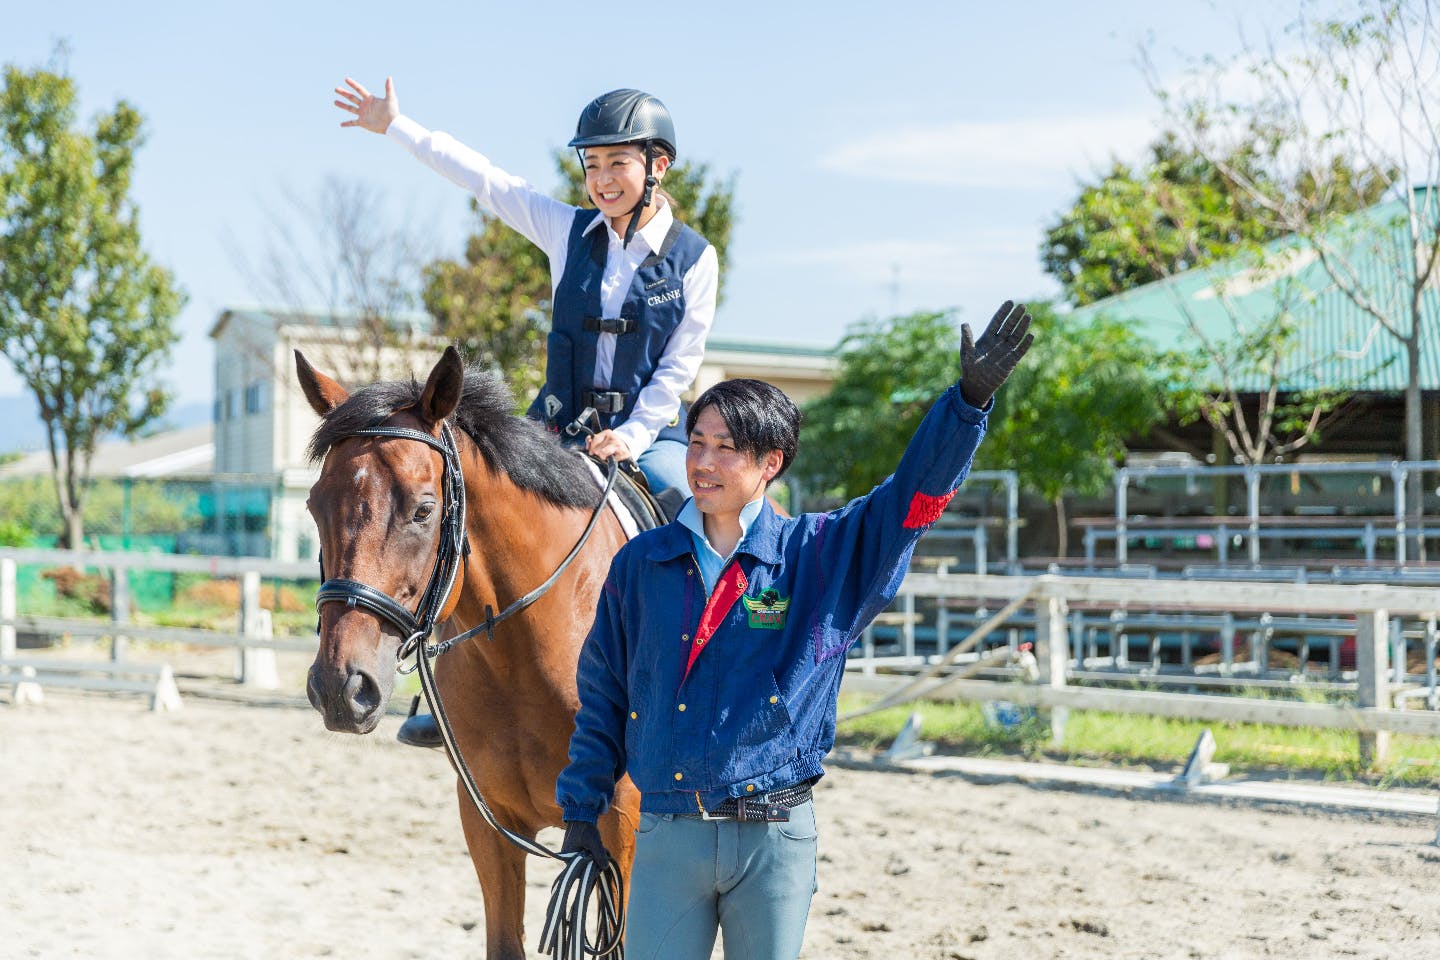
(1338, 344)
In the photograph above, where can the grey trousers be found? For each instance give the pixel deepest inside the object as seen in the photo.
(753, 881)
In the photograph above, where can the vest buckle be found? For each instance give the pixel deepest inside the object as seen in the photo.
(606, 401)
(615, 325)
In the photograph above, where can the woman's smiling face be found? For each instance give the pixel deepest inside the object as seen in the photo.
(615, 177)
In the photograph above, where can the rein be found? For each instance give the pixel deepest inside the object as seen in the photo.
(564, 936)
(491, 619)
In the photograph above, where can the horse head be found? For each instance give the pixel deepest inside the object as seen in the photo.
(381, 506)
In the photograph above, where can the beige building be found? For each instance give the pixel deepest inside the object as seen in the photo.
(263, 422)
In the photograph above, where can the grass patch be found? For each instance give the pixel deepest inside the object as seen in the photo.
(1161, 744)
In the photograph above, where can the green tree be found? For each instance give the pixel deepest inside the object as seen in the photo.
(890, 373)
(1182, 212)
(496, 302)
(1179, 210)
(86, 318)
(1091, 251)
(1062, 420)
(1353, 93)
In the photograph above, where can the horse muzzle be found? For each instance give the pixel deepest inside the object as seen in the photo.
(350, 701)
(354, 670)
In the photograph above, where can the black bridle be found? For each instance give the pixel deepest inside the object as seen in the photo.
(451, 554)
(581, 879)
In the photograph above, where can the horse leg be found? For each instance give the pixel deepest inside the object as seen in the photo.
(500, 865)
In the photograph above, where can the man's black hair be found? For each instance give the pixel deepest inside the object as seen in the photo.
(759, 416)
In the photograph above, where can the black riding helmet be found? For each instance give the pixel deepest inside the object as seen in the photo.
(627, 116)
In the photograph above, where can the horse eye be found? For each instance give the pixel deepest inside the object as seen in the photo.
(422, 512)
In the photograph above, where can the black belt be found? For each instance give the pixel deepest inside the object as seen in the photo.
(772, 807)
(615, 325)
(604, 401)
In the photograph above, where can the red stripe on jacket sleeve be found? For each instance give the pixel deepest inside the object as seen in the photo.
(925, 509)
(731, 587)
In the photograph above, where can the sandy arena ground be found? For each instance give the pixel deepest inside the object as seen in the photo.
(234, 829)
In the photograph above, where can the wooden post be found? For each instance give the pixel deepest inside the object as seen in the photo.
(1051, 648)
(8, 607)
(907, 628)
(1397, 651)
(1372, 651)
(119, 611)
(257, 664)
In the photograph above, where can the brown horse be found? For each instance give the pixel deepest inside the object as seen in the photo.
(511, 699)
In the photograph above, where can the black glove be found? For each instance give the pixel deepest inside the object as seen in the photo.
(581, 836)
(985, 365)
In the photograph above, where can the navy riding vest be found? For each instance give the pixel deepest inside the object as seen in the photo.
(653, 308)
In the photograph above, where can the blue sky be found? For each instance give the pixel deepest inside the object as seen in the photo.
(888, 157)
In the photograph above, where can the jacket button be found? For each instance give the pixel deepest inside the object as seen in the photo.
(681, 708)
(774, 699)
(749, 788)
(679, 776)
(684, 636)
(699, 641)
(634, 715)
(688, 571)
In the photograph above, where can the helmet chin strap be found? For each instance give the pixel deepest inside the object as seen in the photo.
(650, 184)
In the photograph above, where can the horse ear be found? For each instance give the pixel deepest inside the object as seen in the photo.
(442, 391)
(323, 393)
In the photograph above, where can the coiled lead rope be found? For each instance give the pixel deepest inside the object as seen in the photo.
(580, 882)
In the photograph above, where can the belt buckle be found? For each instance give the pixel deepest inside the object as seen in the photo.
(705, 814)
(769, 811)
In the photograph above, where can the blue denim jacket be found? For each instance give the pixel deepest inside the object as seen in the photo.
(756, 710)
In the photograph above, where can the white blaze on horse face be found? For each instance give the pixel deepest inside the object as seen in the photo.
(360, 476)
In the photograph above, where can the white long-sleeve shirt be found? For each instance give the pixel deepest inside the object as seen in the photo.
(546, 222)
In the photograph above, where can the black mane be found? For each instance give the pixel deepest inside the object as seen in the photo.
(520, 448)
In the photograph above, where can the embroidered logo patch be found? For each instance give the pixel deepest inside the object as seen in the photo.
(767, 611)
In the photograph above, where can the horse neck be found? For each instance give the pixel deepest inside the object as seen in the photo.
(518, 539)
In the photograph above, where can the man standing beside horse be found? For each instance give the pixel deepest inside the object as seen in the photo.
(712, 670)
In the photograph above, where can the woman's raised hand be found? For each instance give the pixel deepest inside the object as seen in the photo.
(371, 112)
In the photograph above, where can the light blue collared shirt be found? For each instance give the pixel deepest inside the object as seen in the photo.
(711, 563)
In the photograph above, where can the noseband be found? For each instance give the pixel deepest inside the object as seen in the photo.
(451, 554)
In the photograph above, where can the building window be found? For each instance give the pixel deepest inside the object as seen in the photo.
(255, 397)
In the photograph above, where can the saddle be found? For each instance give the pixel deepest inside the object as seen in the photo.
(632, 490)
(647, 511)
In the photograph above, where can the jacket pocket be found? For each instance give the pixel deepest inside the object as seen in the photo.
(763, 736)
(801, 825)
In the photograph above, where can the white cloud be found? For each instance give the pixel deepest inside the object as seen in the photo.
(947, 261)
(1035, 152)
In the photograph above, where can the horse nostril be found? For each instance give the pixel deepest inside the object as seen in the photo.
(362, 694)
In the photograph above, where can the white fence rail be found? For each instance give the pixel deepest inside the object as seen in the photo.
(252, 638)
(1369, 606)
